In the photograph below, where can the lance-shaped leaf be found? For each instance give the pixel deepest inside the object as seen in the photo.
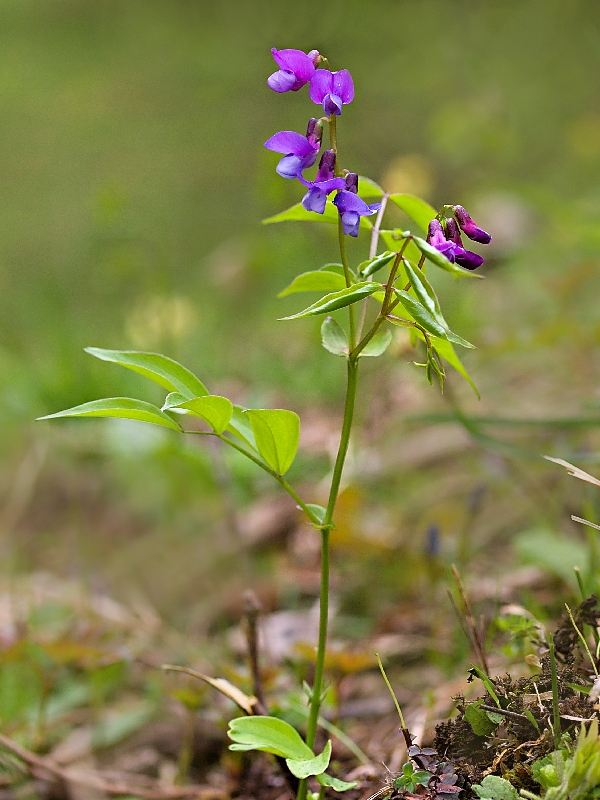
(269, 734)
(440, 260)
(444, 349)
(428, 298)
(160, 369)
(415, 208)
(420, 314)
(370, 267)
(335, 783)
(315, 281)
(277, 433)
(335, 300)
(334, 337)
(215, 410)
(121, 407)
(378, 345)
(302, 768)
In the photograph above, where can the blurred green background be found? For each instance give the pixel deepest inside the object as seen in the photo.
(134, 181)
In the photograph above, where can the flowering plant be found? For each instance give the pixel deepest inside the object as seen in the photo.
(405, 298)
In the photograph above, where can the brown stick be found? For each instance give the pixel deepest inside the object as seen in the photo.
(96, 781)
(251, 611)
(475, 637)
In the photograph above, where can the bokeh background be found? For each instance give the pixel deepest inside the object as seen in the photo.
(134, 181)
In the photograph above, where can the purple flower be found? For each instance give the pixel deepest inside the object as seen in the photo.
(351, 207)
(324, 183)
(450, 244)
(300, 152)
(295, 69)
(332, 89)
(469, 228)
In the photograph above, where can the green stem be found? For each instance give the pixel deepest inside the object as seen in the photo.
(555, 705)
(279, 478)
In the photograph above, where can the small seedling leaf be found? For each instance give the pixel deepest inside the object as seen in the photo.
(269, 734)
(334, 338)
(493, 787)
(121, 407)
(158, 368)
(335, 783)
(479, 721)
(302, 768)
(277, 433)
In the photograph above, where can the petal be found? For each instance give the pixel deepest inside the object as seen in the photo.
(343, 85)
(332, 104)
(290, 167)
(452, 232)
(330, 185)
(315, 200)
(297, 62)
(468, 259)
(290, 143)
(350, 222)
(320, 85)
(348, 201)
(281, 81)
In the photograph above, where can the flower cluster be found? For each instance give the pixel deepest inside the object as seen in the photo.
(445, 236)
(332, 90)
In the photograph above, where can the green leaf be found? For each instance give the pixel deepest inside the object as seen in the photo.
(487, 682)
(446, 351)
(315, 281)
(318, 511)
(369, 267)
(493, 787)
(368, 188)
(302, 768)
(270, 735)
(215, 410)
(424, 291)
(420, 314)
(335, 783)
(239, 425)
(378, 344)
(298, 213)
(440, 260)
(479, 721)
(122, 407)
(277, 433)
(532, 719)
(335, 300)
(334, 338)
(160, 369)
(418, 210)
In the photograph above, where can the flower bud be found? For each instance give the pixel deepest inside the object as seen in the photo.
(352, 182)
(469, 227)
(326, 165)
(452, 232)
(314, 132)
(314, 56)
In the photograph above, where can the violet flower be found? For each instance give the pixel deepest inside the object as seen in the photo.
(449, 243)
(351, 207)
(300, 152)
(295, 69)
(469, 228)
(325, 183)
(332, 89)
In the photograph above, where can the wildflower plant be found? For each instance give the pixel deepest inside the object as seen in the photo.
(391, 282)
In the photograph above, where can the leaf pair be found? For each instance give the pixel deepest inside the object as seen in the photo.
(273, 735)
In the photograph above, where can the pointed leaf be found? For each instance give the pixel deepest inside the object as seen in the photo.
(378, 345)
(369, 267)
(302, 768)
(160, 369)
(335, 783)
(420, 314)
(335, 300)
(446, 351)
(215, 410)
(268, 734)
(121, 407)
(418, 210)
(277, 433)
(239, 425)
(315, 281)
(317, 510)
(334, 337)
(440, 260)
